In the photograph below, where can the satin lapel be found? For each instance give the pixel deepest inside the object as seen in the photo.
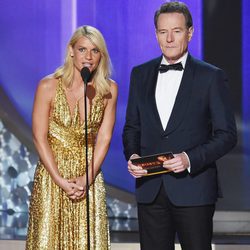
(182, 98)
(152, 80)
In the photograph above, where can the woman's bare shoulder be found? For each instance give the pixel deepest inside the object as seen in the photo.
(47, 86)
(113, 86)
(111, 96)
(49, 82)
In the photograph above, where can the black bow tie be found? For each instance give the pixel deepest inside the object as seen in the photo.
(164, 68)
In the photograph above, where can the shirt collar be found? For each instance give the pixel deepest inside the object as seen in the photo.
(183, 60)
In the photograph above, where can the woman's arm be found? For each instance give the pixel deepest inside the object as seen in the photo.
(40, 122)
(104, 133)
(103, 137)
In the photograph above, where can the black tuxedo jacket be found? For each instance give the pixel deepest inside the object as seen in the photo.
(201, 124)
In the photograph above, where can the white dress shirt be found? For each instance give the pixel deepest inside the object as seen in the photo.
(167, 87)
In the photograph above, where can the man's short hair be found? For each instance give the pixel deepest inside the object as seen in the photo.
(172, 7)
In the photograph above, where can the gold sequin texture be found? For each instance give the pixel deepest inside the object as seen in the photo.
(55, 221)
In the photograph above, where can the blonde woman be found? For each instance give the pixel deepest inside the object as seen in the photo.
(58, 205)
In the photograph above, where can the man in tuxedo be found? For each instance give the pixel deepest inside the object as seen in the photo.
(180, 104)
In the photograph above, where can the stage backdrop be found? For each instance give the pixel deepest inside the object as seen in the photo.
(34, 35)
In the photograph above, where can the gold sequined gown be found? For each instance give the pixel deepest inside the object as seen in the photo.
(55, 221)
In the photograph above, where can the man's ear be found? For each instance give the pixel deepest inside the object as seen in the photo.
(190, 33)
(156, 35)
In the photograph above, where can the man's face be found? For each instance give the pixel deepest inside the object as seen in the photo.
(173, 36)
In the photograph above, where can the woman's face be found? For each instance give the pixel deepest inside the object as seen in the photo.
(85, 54)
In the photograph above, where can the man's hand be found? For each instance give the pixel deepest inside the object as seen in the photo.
(135, 171)
(177, 164)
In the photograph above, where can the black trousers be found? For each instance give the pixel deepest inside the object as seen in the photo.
(161, 220)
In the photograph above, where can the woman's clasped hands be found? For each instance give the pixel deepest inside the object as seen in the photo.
(75, 188)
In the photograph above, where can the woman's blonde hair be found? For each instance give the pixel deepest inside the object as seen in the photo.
(102, 72)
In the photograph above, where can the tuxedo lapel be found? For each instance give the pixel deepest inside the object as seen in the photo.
(182, 98)
(152, 80)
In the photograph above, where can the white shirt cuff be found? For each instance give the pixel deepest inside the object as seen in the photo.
(189, 165)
